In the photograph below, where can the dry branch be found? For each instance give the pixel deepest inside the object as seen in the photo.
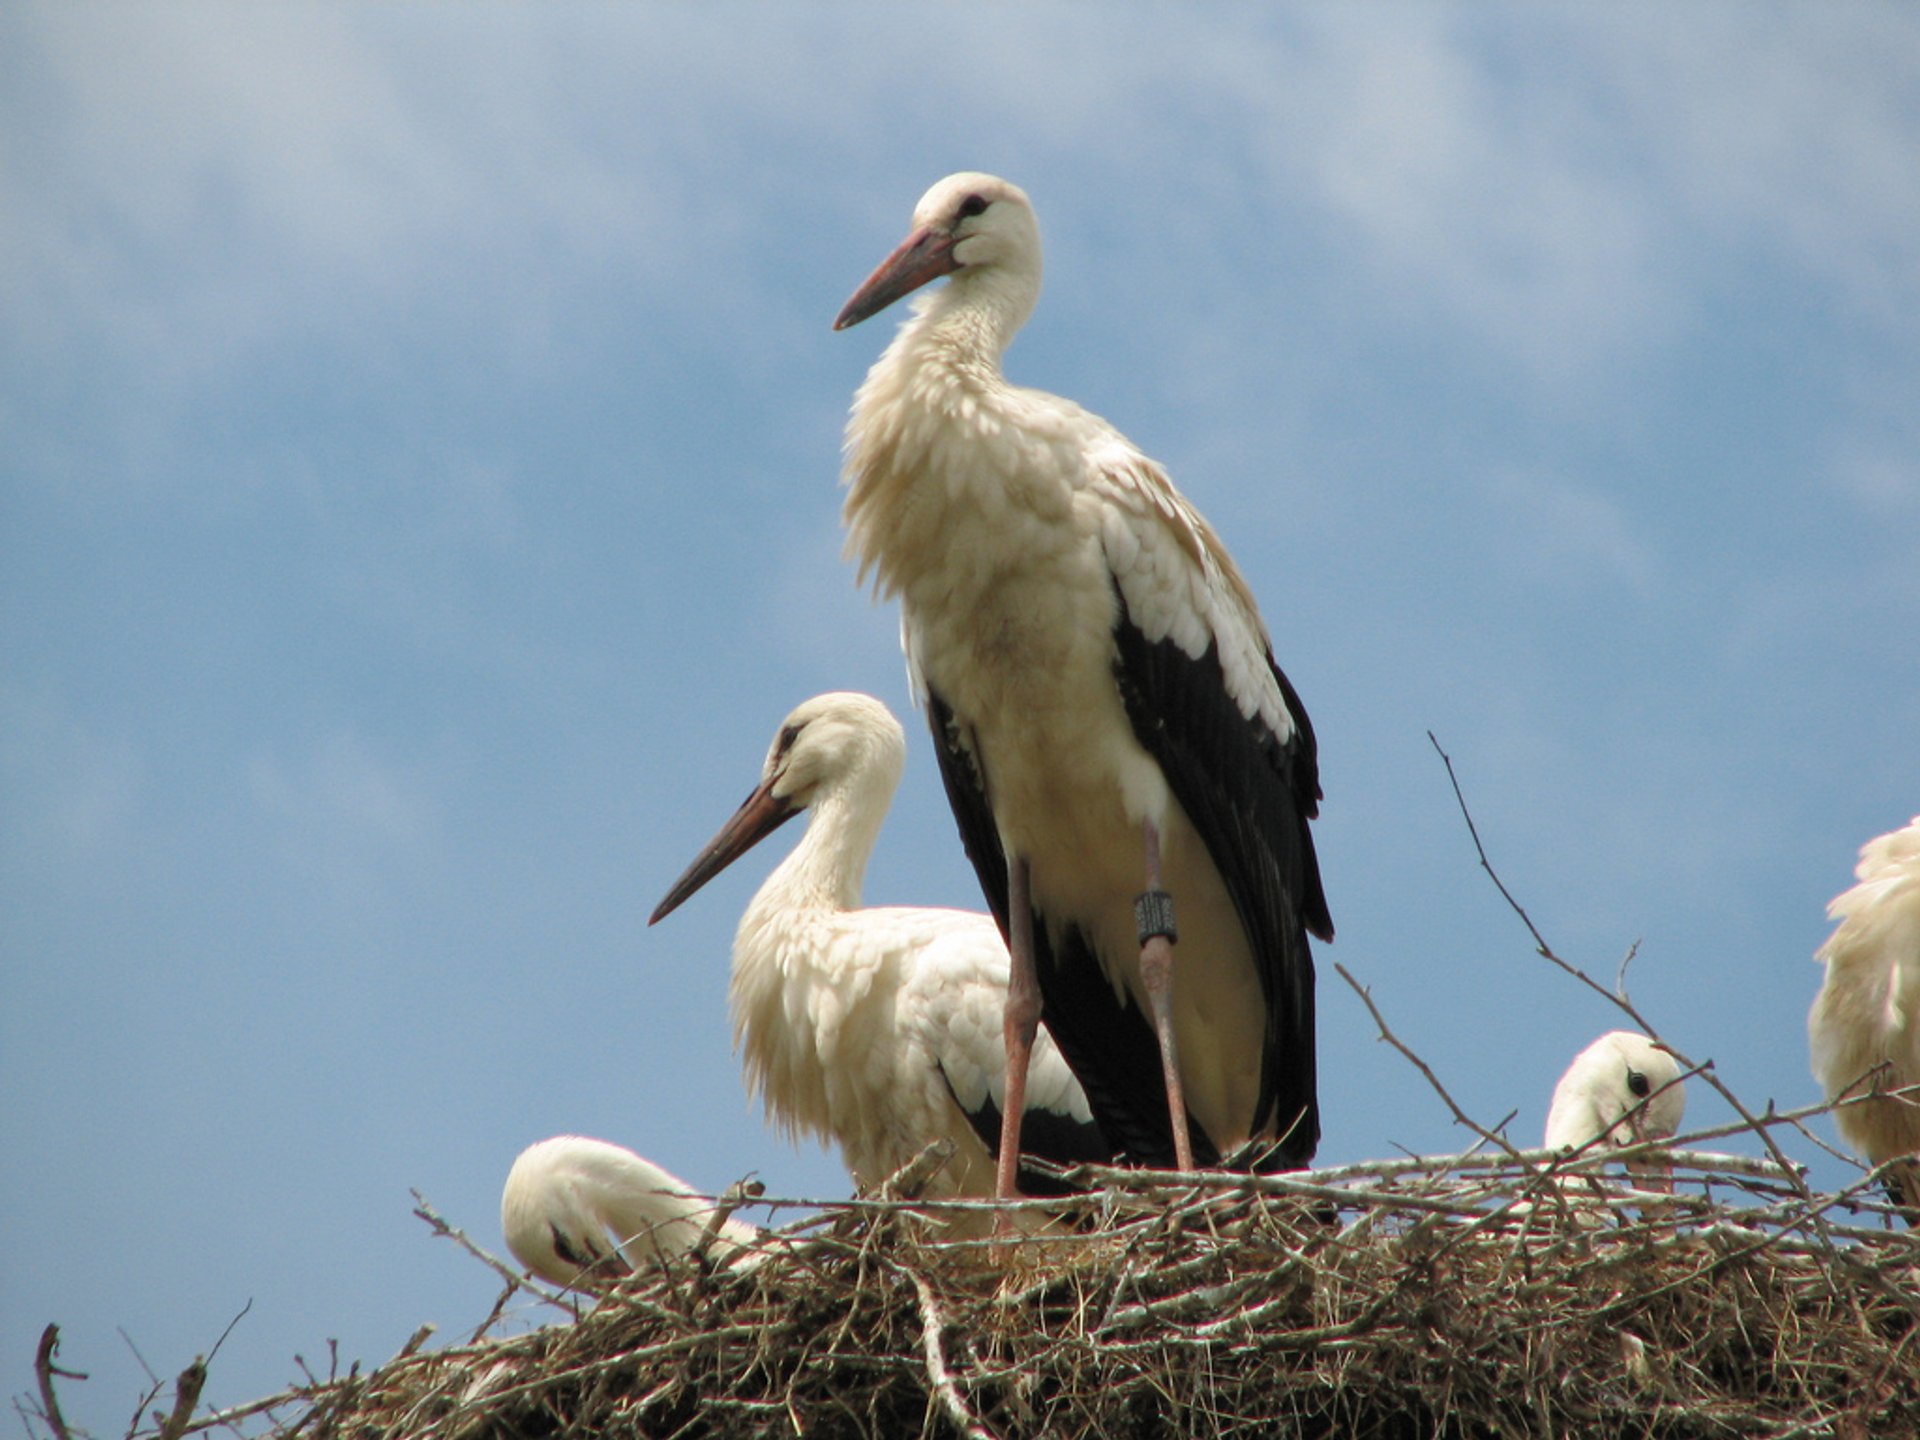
(1441, 1297)
(1411, 1296)
(44, 1371)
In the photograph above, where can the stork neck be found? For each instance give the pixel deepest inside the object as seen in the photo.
(827, 869)
(968, 323)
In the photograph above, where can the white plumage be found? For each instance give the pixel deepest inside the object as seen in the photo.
(1100, 687)
(879, 1029)
(577, 1211)
(1864, 1028)
(1621, 1090)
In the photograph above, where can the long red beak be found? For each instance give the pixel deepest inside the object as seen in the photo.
(923, 256)
(759, 815)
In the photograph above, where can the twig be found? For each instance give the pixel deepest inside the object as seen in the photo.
(910, 1179)
(931, 1324)
(152, 1377)
(499, 1309)
(424, 1209)
(186, 1395)
(44, 1370)
(1539, 940)
(235, 1413)
(1619, 996)
(737, 1194)
(1459, 1115)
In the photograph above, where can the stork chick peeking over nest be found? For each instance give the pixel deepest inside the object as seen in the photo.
(877, 1028)
(582, 1212)
(1621, 1090)
(1864, 1028)
(1126, 763)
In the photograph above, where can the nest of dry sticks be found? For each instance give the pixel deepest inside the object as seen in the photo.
(1498, 1293)
(1506, 1293)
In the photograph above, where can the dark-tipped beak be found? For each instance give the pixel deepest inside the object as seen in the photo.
(923, 256)
(759, 815)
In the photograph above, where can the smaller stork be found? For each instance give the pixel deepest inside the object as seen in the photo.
(1621, 1090)
(877, 1028)
(581, 1212)
(1864, 1028)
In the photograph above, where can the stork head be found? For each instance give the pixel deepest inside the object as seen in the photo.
(976, 226)
(841, 744)
(1621, 1090)
(547, 1215)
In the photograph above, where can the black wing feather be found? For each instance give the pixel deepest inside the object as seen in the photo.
(1045, 1134)
(1107, 1042)
(1250, 795)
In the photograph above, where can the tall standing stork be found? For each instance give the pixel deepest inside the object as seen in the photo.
(878, 1027)
(1864, 1028)
(1115, 737)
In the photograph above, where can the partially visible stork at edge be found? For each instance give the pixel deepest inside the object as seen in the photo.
(1126, 762)
(1864, 1028)
(879, 1028)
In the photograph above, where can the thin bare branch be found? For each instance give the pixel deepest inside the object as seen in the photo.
(1460, 1116)
(515, 1281)
(934, 1353)
(1618, 996)
(45, 1371)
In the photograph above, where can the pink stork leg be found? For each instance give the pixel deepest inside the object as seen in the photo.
(1154, 911)
(1022, 1022)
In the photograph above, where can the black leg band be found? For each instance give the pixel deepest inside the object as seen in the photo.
(1153, 912)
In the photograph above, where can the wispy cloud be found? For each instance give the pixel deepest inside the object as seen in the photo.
(73, 790)
(1559, 532)
(1572, 189)
(342, 812)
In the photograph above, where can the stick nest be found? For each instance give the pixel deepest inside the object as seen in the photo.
(1490, 1295)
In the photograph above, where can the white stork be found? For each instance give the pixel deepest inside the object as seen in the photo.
(877, 1028)
(577, 1211)
(1113, 732)
(1621, 1090)
(1864, 1028)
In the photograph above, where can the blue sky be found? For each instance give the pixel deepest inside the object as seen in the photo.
(419, 506)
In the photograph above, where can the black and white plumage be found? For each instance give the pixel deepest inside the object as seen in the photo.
(577, 1211)
(1105, 704)
(1864, 1028)
(876, 1028)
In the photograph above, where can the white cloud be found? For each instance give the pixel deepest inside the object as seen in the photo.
(1570, 186)
(1796, 135)
(343, 813)
(1543, 181)
(72, 792)
(1874, 452)
(1557, 531)
(1883, 480)
(1480, 189)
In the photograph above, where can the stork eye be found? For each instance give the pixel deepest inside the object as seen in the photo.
(972, 206)
(788, 734)
(1638, 1084)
